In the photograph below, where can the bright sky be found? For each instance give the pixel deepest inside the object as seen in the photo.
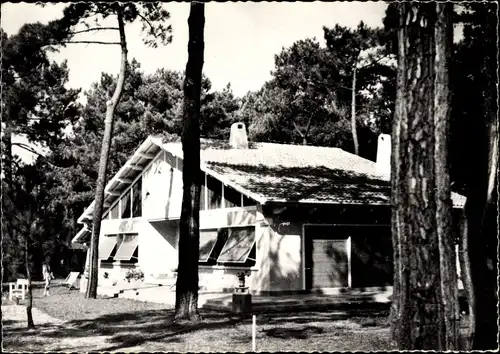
(241, 39)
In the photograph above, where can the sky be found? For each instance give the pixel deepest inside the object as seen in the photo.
(241, 39)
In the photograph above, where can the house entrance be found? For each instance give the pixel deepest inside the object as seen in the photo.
(327, 257)
(353, 256)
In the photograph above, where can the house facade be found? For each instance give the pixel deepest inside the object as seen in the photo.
(295, 218)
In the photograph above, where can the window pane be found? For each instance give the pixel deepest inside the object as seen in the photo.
(137, 202)
(248, 201)
(232, 198)
(238, 245)
(214, 193)
(114, 213)
(126, 205)
(202, 193)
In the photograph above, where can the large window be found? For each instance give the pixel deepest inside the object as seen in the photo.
(228, 246)
(115, 211)
(130, 203)
(232, 198)
(219, 195)
(137, 199)
(214, 193)
(126, 205)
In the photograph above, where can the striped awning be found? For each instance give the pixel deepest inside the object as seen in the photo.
(127, 248)
(106, 246)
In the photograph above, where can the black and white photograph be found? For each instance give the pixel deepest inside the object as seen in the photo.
(202, 176)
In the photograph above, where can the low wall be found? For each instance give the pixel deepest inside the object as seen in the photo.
(221, 279)
(116, 273)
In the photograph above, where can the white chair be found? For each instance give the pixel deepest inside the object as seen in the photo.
(19, 288)
(71, 280)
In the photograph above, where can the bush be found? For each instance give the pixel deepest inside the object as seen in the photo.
(134, 274)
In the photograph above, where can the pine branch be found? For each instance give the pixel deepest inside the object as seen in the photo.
(28, 148)
(95, 29)
(373, 63)
(82, 42)
(33, 151)
(90, 42)
(149, 23)
(298, 130)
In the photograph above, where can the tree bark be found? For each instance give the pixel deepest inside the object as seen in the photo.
(29, 306)
(424, 300)
(186, 300)
(353, 112)
(467, 282)
(7, 155)
(443, 32)
(103, 164)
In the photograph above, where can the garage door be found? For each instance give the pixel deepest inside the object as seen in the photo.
(326, 256)
(329, 263)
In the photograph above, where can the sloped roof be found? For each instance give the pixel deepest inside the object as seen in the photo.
(271, 172)
(128, 172)
(296, 173)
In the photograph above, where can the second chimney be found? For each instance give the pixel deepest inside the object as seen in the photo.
(384, 154)
(238, 136)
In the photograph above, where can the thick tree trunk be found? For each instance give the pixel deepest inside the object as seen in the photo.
(29, 306)
(103, 165)
(186, 301)
(400, 314)
(482, 232)
(353, 112)
(424, 303)
(443, 32)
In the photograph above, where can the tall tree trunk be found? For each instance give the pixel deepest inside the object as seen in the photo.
(466, 274)
(29, 306)
(400, 314)
(103, 165)
(186, 299)
(7, 155)
(482, 232)
(422, 318)
(443, 32)
(353, 112)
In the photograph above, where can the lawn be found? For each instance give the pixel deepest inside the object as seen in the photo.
(125, 325)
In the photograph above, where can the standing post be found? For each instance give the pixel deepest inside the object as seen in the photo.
(254, 330)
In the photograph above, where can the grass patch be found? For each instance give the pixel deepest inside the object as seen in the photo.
(71, 305)
(117, 324)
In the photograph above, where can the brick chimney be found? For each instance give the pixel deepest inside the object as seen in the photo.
(384, 154)
(238, 136)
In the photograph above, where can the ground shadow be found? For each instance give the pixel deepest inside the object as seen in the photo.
(133, 329)
(296, 333)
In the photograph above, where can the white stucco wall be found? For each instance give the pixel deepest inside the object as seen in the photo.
(158, 248)
(286, 256)
(161, 189)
